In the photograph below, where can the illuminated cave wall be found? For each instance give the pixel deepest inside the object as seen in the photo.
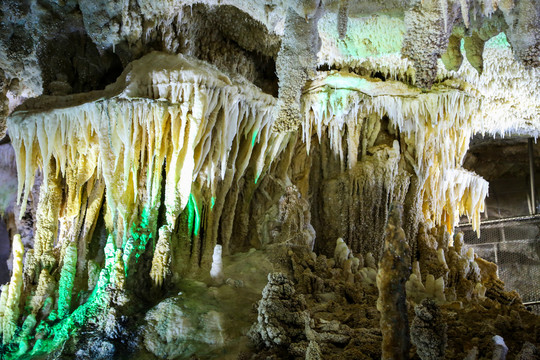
(183, 158)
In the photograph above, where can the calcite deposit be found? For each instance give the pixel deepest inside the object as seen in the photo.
(266, 179)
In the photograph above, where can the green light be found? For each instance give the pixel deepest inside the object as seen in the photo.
(140, 235)
(212, 202)
(500, 41)
(55, 336)
(369, 36)
(67, 277)
(194, 219)
(254, 138)
(57, 328)
(257, 178)
(337, 81)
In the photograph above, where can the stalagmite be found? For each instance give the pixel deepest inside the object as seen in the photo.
(216, 272)
(67, 277)
(118, 276)
(3, 300)
(46, 285)
(341, 253)
(393, 272)
(499, 348)
(11, 307)
(313, 351)
(161, 261)
(428, 331)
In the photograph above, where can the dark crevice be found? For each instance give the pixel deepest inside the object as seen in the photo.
(4, 252)
(71, 63)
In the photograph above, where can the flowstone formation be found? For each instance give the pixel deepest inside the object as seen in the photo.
(257, 179)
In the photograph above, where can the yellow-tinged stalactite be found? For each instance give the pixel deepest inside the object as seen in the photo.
(184, 117)
(50, 198)
(161, 260)
(118, 277)
(11, 308)
(92, 207)
(45, 288)
(435, 128)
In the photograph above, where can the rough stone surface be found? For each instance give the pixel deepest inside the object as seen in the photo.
(179, 328)
(428, 332)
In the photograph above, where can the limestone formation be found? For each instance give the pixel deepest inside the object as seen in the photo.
(428, 331)
(280, 320)
(179, 328)
(391, 277)
(296, 61)
(10, 313)
(167, 163)
(499, 348)
(529, 351)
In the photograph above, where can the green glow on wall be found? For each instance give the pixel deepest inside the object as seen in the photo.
(54, 335)
(254, 138)
(337, 81)
(212, 202)
(500, 41)
(194, 218)
(140, 235)
(67, 277)
(367, 36)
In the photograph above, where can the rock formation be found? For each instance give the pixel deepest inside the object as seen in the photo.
(392, 301)
(428, 332)
(163, 164)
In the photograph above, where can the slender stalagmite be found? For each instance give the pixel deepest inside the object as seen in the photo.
(394, 270)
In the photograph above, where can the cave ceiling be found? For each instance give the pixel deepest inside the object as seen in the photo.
(489, 48)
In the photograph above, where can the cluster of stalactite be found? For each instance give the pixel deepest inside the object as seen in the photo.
(152, 159)
(146, 181)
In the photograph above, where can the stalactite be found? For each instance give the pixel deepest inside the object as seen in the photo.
(173, 155)
(92, 207)
(108, 151)
(192, 124)
(343, 18)
(47, 219)
(430, 141)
